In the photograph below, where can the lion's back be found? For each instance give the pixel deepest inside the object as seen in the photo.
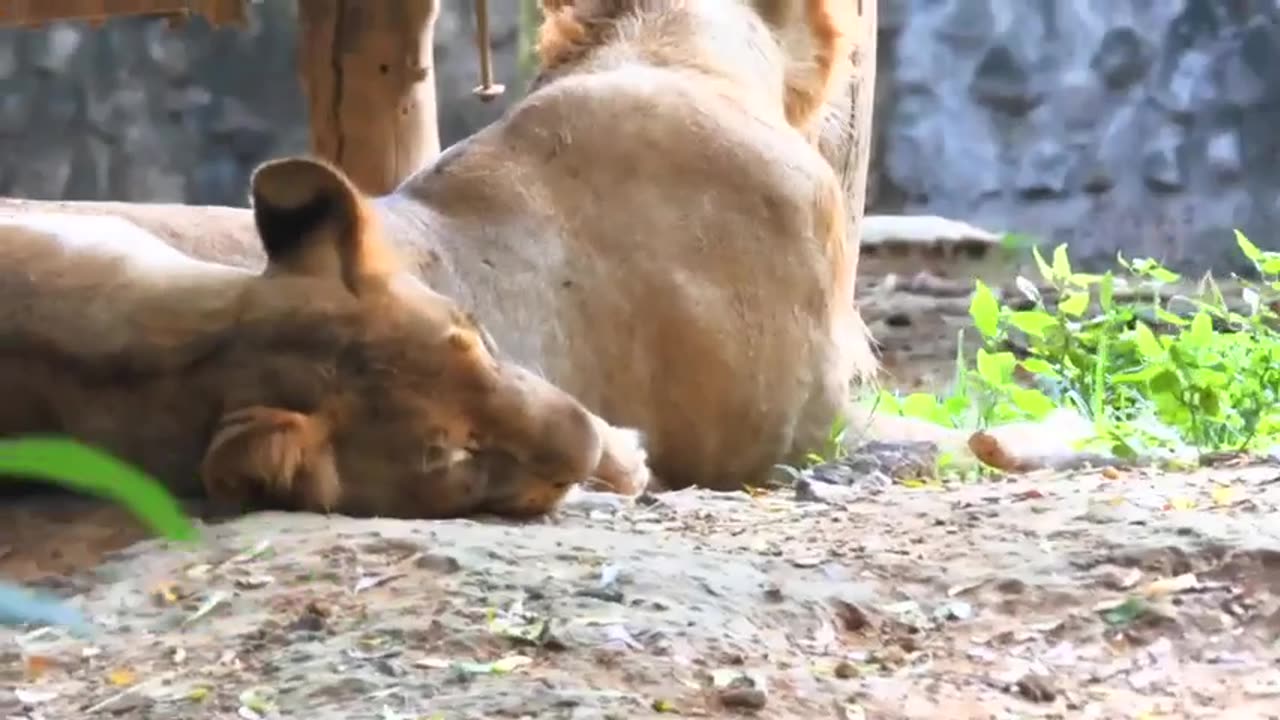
(83, 285)
(707, 266)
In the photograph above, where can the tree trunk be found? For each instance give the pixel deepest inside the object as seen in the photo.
(368, 76)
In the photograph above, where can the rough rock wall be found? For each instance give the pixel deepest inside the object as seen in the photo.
(136, 110)
(1142, 125)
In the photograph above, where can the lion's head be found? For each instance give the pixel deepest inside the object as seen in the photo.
(800, 47)
(352, 387)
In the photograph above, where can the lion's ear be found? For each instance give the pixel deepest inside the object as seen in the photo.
(313, 221)
(269, 456)
(817, 38)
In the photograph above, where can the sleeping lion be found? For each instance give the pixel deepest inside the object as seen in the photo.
(330, 381)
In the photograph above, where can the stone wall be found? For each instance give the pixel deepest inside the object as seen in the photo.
(1142, 125)
(137, 110)
(1137, 124)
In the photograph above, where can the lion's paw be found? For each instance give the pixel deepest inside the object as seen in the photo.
(624, 464)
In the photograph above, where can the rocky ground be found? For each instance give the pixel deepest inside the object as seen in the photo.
(1095, 595)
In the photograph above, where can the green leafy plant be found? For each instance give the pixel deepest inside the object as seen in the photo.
(1153, 368)
(79, 467)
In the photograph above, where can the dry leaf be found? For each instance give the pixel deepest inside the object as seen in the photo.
(1171, 585)
(166, 593)
(36, 666)
(1223, 495)
(122, 677)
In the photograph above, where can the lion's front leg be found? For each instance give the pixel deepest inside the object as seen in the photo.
(624, 463)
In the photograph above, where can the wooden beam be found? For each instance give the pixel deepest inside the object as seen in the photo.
(39, 12)
(369, 79)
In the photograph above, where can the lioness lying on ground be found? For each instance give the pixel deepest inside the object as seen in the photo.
(650, 228)
(325, 383)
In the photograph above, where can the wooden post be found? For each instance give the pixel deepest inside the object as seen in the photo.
(847, 141)
(368, 76)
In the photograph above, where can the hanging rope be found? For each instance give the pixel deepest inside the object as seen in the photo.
(488, 89)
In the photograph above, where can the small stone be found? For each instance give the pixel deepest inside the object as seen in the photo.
(852, 618)
(314, 618)
(773, 593)
(743, 693)
(846, 670)
(1036, 688)
(809, 490)
(443, 564)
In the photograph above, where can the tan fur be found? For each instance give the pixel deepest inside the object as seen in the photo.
(649, 229)
(330, 382)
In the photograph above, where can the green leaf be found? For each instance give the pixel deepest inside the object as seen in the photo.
(80, 467)
(1033, 322)
(956, 405)
(995, 369)
(1106, 293)
(1074, 304)
(1160, 274)
(1084, 279)
(1126, 612)
(1166, 382)
(1141, 376)
(1250, 250)
(1039, 366)
(919, 405)
(1210, 403)
(1016, 241)
(1032, 402)
(1046, 272)
(1201, 330)
(888, 403)
(1148, 345)
(1061, 265)
(985, 310)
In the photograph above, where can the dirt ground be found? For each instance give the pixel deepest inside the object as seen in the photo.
(1103, 594)
(1096, 595)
